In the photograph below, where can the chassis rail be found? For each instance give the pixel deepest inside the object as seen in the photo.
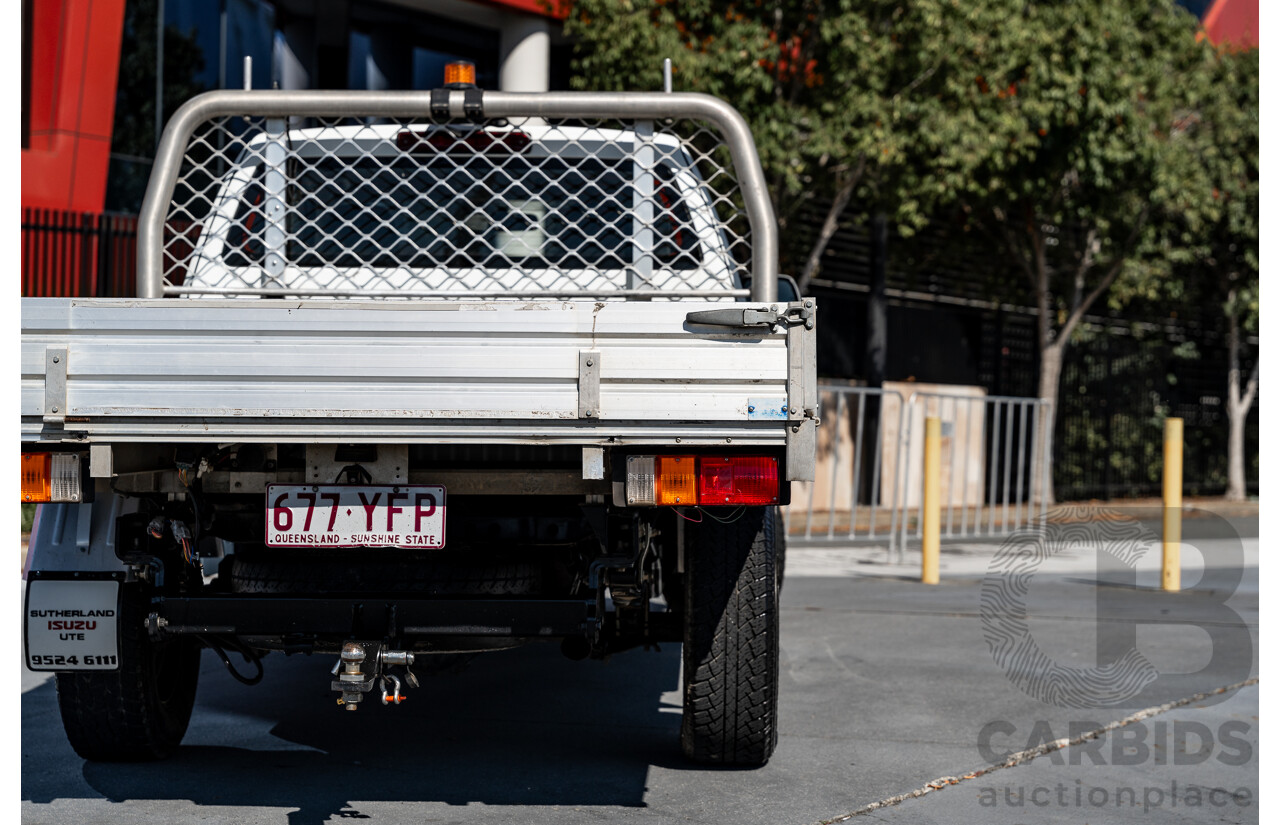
(393, 616)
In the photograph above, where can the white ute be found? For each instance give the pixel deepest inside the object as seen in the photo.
(412, 374)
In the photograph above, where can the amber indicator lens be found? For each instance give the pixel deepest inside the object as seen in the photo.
(35, 476)
(50, 477)
(677, 480)
(463, 71)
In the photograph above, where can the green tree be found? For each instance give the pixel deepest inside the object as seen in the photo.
(1225, 151)
(1057, 128)
(821, 82)
(1071, 120)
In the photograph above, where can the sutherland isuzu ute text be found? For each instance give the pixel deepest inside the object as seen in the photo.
(422, 373)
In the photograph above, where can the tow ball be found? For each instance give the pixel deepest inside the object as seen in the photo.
(354, 681)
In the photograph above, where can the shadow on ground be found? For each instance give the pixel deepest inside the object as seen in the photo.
(519, 727)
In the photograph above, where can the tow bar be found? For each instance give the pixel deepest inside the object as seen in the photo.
(353, 683)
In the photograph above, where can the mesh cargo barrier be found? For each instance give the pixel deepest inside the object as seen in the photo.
(400, 207)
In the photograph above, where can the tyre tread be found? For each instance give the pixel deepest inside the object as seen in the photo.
(731, 642)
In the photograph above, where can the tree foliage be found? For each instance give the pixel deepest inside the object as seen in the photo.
(1072, 118)
(1225, 267)
(1225, 154)
(1044, 121)
(823, 84)
(1085, 128)
(1101, 147)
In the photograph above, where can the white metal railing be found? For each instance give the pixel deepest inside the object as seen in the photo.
(996, 454)
(870, 467)
(857, 498)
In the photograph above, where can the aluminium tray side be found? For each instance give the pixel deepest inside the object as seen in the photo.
(499, 372)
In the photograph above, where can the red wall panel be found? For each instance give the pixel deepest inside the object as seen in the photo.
(75, 58)
(1234, 22)
(557, 9)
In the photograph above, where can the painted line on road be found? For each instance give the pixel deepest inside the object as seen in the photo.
(1040, 750)
(968, 614)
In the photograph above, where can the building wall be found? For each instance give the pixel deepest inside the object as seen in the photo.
(71, 59)
(1234, 22)
(69, 78)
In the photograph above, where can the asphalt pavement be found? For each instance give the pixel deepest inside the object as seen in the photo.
(889, 689)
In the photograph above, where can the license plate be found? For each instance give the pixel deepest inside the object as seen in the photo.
(71, 625)
(349, 515)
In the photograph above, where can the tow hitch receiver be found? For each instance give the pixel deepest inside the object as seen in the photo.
(353, 682)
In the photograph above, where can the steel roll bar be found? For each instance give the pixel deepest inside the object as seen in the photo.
(321, 103)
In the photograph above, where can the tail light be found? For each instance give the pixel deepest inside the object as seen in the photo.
(685, 480)
(50, 477)
(738, 480)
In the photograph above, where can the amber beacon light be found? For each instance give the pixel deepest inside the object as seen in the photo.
(460, 74)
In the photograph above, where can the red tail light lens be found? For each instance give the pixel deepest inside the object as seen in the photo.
(737, 480)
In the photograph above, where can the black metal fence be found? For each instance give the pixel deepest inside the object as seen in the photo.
(1117, 389)
(78, 254)
(1122, 375)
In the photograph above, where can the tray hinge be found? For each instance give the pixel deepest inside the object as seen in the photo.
(589, 384)
(55, 385)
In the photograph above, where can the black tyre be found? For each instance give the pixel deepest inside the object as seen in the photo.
(779, 545)
(731, 641)
(291, 573)
(139, 712)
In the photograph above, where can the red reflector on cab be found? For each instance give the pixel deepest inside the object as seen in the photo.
(477, 142)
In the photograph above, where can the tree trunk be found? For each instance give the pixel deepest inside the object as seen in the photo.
(1050, 371)
(877, 316)
(829, 226)
(877, 350)
(1235, 452)
(1238, 404)
(1050, 375)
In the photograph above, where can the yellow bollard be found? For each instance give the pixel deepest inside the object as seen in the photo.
(1171, 571)
(932, 504)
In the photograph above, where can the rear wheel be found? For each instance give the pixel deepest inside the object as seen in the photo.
(731, 641)
(139, 712)
(779, 545)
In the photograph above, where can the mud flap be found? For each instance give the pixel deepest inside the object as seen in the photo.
(71, 622)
